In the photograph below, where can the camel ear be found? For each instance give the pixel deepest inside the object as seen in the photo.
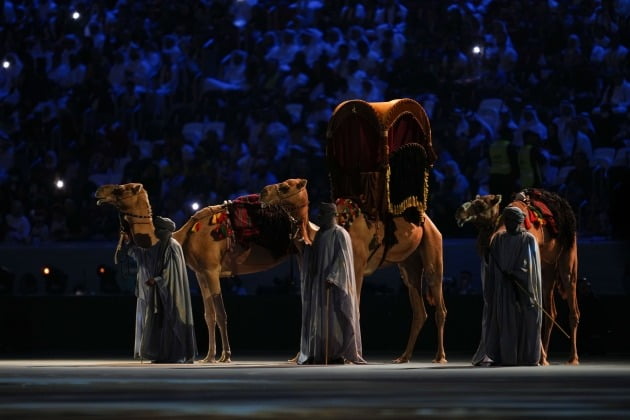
(477, 197)
(302, 183)
(497, 198)
(137, 188)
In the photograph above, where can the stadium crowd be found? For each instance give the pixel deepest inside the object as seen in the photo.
(206, 100)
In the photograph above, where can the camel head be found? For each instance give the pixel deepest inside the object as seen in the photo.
(483, 210)
(127, 198)
(132, 201)
(291, 195)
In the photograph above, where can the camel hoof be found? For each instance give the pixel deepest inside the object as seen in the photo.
(573, 362)
(208, 360)
(401, 359)
(441, 360)
(544, 362)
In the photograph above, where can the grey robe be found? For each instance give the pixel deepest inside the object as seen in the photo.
(164, 321)
(329, 260)
(512, 318)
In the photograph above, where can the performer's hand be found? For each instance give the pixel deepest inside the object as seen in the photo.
(150, 282)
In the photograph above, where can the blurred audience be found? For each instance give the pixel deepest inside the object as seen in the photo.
(114, 91)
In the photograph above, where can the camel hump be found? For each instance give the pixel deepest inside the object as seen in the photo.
(556, 211)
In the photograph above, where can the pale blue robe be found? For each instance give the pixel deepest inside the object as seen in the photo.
(512, 315)
(329, 260)
(164, 329)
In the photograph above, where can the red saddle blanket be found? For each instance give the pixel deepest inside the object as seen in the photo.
(540, 215)
(241, 218)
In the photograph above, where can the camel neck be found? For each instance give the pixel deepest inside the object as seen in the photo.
(142, 231)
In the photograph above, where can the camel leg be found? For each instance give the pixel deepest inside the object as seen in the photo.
(549, 305)
(432, 257)
(209, 315)
(411, 272)
(221, 315)
(568, 278)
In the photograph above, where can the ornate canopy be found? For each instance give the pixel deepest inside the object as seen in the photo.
(379, 153)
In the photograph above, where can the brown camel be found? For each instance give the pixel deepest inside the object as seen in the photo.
(379, 156)
(239, 237)
(418, 253)
(550, 219)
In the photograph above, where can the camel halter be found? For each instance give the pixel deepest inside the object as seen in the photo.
(281, 198)
(121, 215)
(138, 216)
(289, 208)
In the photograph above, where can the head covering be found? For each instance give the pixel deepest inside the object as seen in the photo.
(163, 227)
(513, 217)
(327, 214)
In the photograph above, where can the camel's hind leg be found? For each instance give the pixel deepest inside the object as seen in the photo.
(568, 282)
(226, 353)
(549, 304)
(432, 255)
(411, 271)
(214, 314)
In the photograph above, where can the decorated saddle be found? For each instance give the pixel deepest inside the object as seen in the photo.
(538, 212)
(245, 221)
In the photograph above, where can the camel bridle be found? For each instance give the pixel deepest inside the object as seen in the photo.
(124, 197)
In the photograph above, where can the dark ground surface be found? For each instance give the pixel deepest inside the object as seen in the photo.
(267, 386)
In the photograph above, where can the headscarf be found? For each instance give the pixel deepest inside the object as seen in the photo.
(513, 217)
(327, 215)
(164, 227)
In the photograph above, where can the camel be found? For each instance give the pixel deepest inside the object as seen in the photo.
(379, 155)
(217, 244)
(418, 254)
(555, 231)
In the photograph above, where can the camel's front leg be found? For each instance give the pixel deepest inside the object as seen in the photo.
(226, 353)
(209, 315)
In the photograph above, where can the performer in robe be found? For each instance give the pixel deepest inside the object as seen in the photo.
(512, 313)
(330, 309)
(164, 330)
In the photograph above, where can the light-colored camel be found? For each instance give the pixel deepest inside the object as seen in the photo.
(212, 247)
(558, 254)
(418, 254)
